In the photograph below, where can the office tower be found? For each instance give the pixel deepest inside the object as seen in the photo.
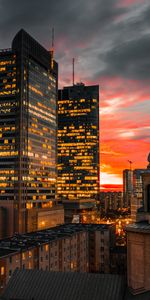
(28, 92)
(127, 187)
(78, 148)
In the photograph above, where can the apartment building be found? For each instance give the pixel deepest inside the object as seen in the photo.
(67, 248)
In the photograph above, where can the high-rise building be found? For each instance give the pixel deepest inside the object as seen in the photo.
(127, 187)
(28, 93)
(78, 147)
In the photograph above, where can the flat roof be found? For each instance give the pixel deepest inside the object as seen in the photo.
(143, 227)
(6, 252)
(23, 242)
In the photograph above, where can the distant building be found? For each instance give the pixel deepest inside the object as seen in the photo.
(28, 130)
(111, 201)
(138, 243)
(78, 148)
(70, 247)
(127, 187)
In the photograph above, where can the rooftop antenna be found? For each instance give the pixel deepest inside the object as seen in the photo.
(73, 60)
(130, 162)
(52, 50)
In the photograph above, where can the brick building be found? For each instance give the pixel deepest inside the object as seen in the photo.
(70, 247)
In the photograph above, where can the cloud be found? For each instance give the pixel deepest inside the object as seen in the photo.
(130, 59)
(110, 41)
(74, 21)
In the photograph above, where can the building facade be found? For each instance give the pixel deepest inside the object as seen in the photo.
(28, 129)
(111, 201)
(71, 248)
(78, 147)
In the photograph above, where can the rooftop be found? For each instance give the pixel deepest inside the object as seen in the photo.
(44, 285)
(37, 285)
(143, 227)
(6, 252)
(21, 242)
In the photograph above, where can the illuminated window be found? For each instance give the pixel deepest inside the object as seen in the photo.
(23, 256)
(46, 247)
(2, 270)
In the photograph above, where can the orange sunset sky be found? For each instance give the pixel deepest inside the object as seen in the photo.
(110, 41)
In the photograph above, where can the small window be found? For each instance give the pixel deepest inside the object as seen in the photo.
(46, 248)
(2, 270)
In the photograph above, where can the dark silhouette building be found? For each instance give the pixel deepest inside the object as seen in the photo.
(78, 148)
(127, 187)
(28, 93)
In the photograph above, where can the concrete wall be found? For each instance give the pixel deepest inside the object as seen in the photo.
(138, 261)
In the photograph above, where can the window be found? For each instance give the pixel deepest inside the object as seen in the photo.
(2, 270)
(30, 254)
(46, 247)
(23, 256)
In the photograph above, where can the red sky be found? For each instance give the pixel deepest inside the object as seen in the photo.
(125, 127)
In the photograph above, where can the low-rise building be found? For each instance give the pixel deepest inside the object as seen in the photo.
(68, 247)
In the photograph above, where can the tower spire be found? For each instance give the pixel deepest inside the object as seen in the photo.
(52, 50)
(73, 60)
(130, 162)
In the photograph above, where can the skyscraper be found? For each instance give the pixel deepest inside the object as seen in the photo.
(28, 92)
(78, 147)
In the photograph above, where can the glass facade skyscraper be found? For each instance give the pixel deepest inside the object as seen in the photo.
(78, 143)
(28, 93)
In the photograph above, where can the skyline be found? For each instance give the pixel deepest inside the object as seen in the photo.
(110, 43)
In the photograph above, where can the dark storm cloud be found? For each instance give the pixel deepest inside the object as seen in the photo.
(126, 45)
(109, 38)
(75, 21)
(130, 59)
